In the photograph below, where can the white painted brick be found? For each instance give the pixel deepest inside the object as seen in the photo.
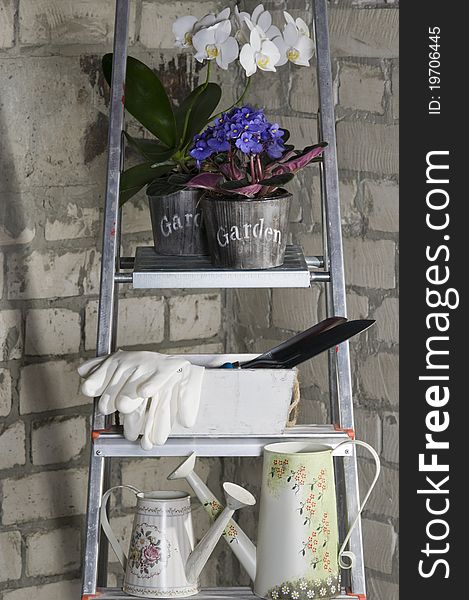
(370, 33)
(57, 90)
(50, 386)
(5, 392)
(141, 322)
(370, 263)
(387, 321)
(78, 22)
(304, 90)
(383, 198)
(380, 377)
(77, 222)
(52, 331)
(361, 87)
(270, 94)
(379, 589)
(53, 552)
(60, 590)
(295, 309)
(391, 437)
(357, 306)
(136, 215)
(45, 496)
(252, 307)
(7, 23)
(379, 541)
(395, 92)
(12, 446)
(194, 316)
(370, 147)
(122, 527)
(368, 429)
(11, 334)
(23, 237)
(158, 18)
(1, 275)
(52, 275)
(303, 130)
(10, 548)
(59, 440)
(214, 348)
(384, 500)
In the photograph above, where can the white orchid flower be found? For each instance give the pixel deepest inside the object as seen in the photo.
(186, 27)
(260, 19)
(259, 52)
(183, 29)
(295, 45)
(215, 43)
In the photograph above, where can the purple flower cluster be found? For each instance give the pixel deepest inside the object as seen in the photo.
(243, 128)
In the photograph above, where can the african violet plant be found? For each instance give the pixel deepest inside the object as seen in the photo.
(244, 154)
(222, 39)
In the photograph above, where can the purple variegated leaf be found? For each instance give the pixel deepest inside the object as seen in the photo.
(300, 161)
(207, 181)
(231, 171)
(249, 190)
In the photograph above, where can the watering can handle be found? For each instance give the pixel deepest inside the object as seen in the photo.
(347, 554)
(115, 545)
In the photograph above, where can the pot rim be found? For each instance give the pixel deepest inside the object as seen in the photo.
(177, 192)
(298, 448)
(282, 195)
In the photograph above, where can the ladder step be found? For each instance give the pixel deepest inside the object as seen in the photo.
(152, 270)
(221, 593)
(112, 443)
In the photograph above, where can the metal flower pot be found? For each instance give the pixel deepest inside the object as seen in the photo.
(247, 234)
(177, 223)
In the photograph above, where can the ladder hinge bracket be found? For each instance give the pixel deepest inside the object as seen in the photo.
(351, 434)
(90, 596)
(95, 435)
(358, 596)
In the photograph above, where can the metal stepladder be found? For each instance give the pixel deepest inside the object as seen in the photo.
(147, 271)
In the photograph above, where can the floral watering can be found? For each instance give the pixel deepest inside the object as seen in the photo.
(162, 560)
(298, 555)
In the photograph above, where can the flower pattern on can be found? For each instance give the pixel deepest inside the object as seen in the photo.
(305, 589)
(149, 551)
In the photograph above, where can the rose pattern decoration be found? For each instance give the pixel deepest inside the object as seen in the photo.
(149, 551)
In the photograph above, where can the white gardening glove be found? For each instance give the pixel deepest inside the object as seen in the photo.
(150, 390)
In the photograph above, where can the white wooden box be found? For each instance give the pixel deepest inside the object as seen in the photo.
(240, 401)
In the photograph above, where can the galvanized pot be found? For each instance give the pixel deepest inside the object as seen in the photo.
(177, 223)
(247, 234)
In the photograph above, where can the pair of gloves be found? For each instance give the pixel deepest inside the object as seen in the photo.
(150, 390)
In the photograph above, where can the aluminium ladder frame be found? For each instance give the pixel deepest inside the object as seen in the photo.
(95, 554)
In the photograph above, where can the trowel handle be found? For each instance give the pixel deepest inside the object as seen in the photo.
(122, 557)
(350, 556)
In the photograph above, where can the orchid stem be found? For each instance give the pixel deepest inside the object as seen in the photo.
(189, 112)
(240, 99)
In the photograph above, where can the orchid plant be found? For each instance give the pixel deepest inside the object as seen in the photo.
(244, 154)
(221, 39)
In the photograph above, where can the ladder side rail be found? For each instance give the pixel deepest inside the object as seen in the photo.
(342, 404)
(95, 552)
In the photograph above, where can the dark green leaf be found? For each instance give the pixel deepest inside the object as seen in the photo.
(234, 185)
(166, 186)
(278, 179)
(135, 178)
(196, 110)
(286, 134)
(152, 150)
(146, 99)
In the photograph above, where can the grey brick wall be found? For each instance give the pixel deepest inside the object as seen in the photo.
(53, 122)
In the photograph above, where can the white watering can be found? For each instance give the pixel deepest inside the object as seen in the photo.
(163, 560)
(298, 553)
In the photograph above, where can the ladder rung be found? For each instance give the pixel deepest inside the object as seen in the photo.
(112, 443)
(221, 593)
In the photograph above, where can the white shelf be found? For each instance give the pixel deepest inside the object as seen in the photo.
(229, 593)
(114, 444)
(152, 270)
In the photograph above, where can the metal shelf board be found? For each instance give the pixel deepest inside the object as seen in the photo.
(114, 444)
(222, 593)
(152, 270)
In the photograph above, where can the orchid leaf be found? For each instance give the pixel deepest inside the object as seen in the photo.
(195, 111)
(152, 150)
(134, 179)
(146, 99)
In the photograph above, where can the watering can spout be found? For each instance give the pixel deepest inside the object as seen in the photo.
(236, 497)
